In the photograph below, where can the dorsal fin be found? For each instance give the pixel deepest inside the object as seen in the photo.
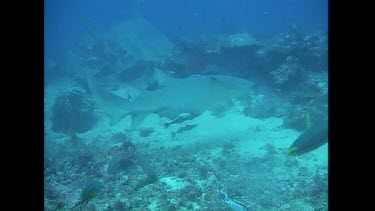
(161, 77)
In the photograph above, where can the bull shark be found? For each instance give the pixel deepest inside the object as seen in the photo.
(176, 96)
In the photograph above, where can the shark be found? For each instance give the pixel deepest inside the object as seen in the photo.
(173, 97)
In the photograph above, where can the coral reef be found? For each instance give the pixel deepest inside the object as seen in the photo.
(184, 179)
(287, 73)
(122, 157)
(73, 112)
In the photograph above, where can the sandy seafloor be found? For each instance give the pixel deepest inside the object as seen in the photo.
(250, 137)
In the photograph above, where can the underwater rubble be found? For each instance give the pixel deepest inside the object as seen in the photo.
(186, 180)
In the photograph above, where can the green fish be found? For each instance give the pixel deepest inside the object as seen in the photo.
(311, 139)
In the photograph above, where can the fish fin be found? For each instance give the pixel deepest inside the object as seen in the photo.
(115, 118)
(161, 77)
(242, 204)
(114, 106)
(166, 125)
(173, 134)
(137, 119)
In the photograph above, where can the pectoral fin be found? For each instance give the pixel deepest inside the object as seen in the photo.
(137, 119)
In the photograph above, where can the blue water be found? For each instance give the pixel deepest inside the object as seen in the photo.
(192, 18)
(170, 104)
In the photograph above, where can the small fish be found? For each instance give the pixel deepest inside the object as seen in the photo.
(181, 118)
(184, 128)
(232, 204)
